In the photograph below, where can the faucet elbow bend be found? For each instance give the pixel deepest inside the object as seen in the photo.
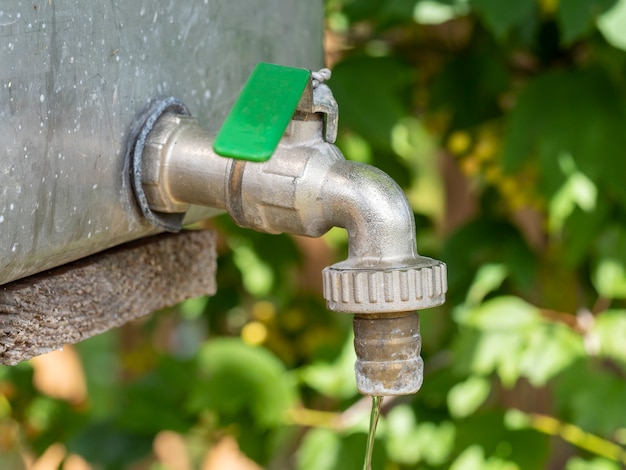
(374, 210)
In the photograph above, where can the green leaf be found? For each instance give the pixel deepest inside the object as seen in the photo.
(236, 378)
(577, 18)
(465, 397)
(273, 256)
(319, 450)
(469, 85)
(515, 341)
(257, 276)
(396, 11)
(577, 191)
(502, 324)
(355, 147)
(328, 450)
(437, 440)
(359, 10)
(434, 12)
(609, 278)
(576, 463)
(610, 331)
(550, 350)
(489, 431)
(472, 247)
(501, 16)
(563, 103)
(154, 401)
(497, 352)
(109, 448)
(473, 458)
(516, 419)
(580, 231)
(581, 389)
(191, 309)
(501, 352)
(368, 86)
(100, 353)
(334, 380)
(611, 25)
(509, 360)
(609, 273)
(488, 278)
(409, 443)
(413, 142)
(501, 313)
(382, 13)
(401, 425)
(400, 441)
(352, 452)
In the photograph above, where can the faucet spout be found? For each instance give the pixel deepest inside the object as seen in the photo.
(383, 281)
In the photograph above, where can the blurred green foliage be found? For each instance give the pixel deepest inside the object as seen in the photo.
(504, 122)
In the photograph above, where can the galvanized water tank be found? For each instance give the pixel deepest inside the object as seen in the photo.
(76, 74)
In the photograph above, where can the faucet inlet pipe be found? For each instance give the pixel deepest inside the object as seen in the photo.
(306, 188)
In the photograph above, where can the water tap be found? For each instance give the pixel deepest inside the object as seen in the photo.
(274, 168)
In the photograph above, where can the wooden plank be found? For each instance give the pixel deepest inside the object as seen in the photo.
(66, 305)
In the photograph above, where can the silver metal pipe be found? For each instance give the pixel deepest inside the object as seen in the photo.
(179, 166)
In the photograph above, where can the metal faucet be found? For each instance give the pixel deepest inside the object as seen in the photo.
(305, 188)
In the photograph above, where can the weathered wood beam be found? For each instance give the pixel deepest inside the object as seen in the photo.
(68, 304)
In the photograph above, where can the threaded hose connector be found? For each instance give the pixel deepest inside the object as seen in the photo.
(388, 353)
(386, 326)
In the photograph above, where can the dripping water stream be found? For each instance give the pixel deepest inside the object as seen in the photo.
(377, 402)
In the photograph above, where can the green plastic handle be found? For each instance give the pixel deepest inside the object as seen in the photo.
(259, 117)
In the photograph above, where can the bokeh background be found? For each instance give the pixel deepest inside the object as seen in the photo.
(505, 123)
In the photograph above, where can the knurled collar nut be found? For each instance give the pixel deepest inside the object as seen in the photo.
(401, 289)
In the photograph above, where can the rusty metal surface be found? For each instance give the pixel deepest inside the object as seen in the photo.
(74, 76)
